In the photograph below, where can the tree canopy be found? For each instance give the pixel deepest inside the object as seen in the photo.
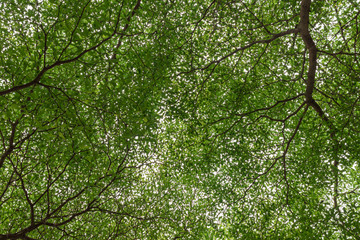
(179, 119)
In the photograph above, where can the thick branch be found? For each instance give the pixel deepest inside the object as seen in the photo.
(310, 84)
(310, 45)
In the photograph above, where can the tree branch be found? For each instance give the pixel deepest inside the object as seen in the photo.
(310, 45)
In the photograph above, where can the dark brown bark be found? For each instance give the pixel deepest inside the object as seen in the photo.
(310, 83)
(311, 47)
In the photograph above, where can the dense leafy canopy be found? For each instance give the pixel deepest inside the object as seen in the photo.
(180, 119)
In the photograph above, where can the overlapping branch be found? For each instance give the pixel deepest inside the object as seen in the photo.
(59, 62)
